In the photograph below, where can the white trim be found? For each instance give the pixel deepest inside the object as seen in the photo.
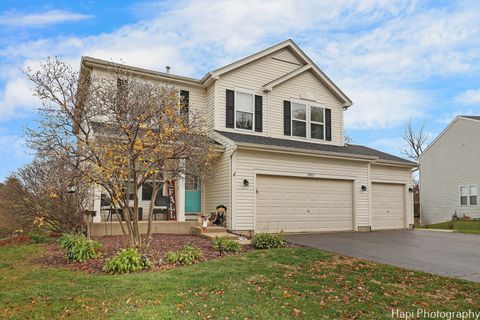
(468, 186)
(308, 119)
(244, 91)
(269, 86)
(306, 175)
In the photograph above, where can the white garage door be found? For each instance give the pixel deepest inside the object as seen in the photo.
(296, 204)
(388, 206)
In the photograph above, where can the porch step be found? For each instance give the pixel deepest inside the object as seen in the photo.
(212, 229)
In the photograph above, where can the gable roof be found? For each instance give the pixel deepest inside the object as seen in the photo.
(299, 53)
(475, 118)
(351, 150)
(212, 75)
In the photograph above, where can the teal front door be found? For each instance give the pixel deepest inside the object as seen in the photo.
(193, 195)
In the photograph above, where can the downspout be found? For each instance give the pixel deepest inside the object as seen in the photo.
(232, 207)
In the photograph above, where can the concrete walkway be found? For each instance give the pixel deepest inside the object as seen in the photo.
(449, 254)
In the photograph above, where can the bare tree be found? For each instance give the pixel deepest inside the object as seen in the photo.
(15, 204)
(416, 143)
(56, 195)
(119, 131)
(347, 138)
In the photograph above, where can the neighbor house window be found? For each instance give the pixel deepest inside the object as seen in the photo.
(244, 110)
(468, 195)
(308, 121)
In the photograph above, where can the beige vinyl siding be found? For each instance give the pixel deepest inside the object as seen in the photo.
(210, 106)
(249, 162)
(305, 84)
(252, 76)
(395, 175)
(452, 161)
(217, 188)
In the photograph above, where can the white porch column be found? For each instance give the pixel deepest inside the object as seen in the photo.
(97, 196)
(180, 193)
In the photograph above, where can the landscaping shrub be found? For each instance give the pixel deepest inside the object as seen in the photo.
(37, 236)
(223, 244)
(78, 247)
(126, 261)
(267, 240)
(68, 240)
(188, 255)
(83, 250)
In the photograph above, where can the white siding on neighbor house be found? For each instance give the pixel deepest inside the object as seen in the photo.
(399, 175)
(252, 76)
(450, 162)
(249, 162)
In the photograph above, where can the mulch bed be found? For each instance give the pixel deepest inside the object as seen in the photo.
(15, 241)
(160, 245)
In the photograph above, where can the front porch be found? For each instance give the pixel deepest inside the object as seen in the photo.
(112, 228)
(177, 201)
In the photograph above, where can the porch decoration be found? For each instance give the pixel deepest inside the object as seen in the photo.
(172, 212)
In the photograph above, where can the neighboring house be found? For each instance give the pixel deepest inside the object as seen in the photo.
(450, 172)
(283, 164)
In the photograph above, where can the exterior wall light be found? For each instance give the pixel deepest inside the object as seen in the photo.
(364, 188)
(410, 189)
(245, 182)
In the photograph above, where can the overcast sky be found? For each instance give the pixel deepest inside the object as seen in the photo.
(395, 59)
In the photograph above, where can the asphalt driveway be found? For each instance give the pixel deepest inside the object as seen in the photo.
(449, 254)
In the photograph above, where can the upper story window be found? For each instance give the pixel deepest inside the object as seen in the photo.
(308, 121)
(244, 110)
(468, 195)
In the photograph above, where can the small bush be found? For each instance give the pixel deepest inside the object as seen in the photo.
(68, 240)
(126, 261)
(83, 250)
(188, 255)
(267, 240)
(223, 244)
(78, 247)
(37, 236)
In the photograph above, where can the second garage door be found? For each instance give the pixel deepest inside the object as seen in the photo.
(388, 206)
(297, 204)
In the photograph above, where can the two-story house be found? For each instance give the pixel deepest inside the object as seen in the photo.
(450, 173)
(283, 164)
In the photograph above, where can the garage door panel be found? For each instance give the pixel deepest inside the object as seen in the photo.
(388, 206)
(303, 204)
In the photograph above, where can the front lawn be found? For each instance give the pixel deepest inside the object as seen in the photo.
(462, 226)
(268, 284)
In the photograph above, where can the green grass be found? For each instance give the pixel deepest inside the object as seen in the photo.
(462, 226)
(270, 284)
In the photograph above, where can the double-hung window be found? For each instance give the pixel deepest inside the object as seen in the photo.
(308, 121)
(468, 195)
(244, 110)
(299, 119)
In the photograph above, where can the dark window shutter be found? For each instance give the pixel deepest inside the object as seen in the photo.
(287, 117)
(258, 113)
(328, 124)
(230, 112)
(185, 97)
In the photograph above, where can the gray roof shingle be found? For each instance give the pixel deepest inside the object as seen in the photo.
(354, 150)
(471, 117)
